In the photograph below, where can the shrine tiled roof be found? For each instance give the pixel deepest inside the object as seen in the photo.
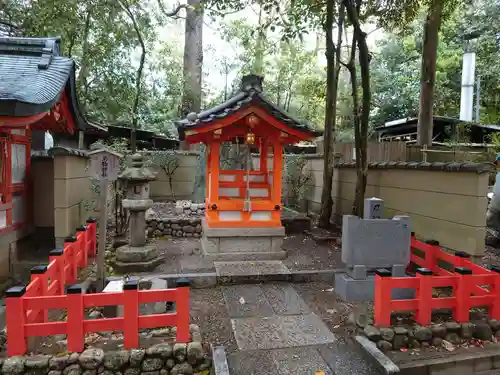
(34, 76)
(250, 93)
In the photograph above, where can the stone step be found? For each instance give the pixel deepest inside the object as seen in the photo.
(334, 359)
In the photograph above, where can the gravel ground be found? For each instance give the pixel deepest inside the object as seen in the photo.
(306, 254)
(336, 313)
(208, 310)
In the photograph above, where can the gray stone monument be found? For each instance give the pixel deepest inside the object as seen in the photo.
(137, 255)
(371, 243)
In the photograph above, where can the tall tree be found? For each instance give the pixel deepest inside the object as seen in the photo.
(333, 56)
(353, 9)
(138, 79)
(428, 72)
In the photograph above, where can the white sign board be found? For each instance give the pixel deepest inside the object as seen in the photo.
(105, 165)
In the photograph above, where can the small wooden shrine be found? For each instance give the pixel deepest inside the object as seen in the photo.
(246, 203)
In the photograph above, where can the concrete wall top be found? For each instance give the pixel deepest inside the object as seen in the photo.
(427, 166)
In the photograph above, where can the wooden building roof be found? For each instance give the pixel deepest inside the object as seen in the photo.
(250, 94)
(35, 80)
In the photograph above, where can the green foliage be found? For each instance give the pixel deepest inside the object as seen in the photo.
(296, 176)
(396, 64)
(168, 161)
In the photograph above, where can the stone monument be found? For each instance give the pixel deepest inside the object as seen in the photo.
(369, 243)
(137, 255)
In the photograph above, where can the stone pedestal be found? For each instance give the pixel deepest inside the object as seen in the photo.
(240, 244)
(137, 259)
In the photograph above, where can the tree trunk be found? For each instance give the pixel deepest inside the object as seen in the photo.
(428, 73)
(84, 68)
(138, 77)
(333, 55)
(361, 136)
(258, 65)
(193, 58)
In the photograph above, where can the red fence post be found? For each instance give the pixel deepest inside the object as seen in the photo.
(182, 314)
(461, 312)
(70, 248)
(460, 258)
(58, 254)
(424, 296)
(38, 272)
(131, 314)
(81, 232)
(494, 310)
(431, 254)
(15, 320)
(383, 297)
(91, 224)
(75, 318)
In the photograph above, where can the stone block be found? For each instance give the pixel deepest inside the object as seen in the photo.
(376, 243)
(114, 286)
(357, 272)
(137, 259)
(350, 289)
(373, 208)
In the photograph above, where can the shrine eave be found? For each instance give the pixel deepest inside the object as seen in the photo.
(34, 79)
(249, 95)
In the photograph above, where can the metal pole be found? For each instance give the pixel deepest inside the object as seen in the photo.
(103, 207)
(478, 97)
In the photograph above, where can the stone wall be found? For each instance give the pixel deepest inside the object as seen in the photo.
(446, 201)
(182, 181)
(160, 359)
(72, 187)
(174, 227)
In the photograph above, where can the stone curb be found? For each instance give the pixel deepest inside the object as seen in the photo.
(211, 279)
(219, 361)
(380, 358)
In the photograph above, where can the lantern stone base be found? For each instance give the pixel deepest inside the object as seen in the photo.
(137, 259)
(241, 244)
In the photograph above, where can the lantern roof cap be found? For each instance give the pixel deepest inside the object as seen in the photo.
(249, 94)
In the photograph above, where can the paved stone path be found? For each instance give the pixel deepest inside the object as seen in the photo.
(277, 333)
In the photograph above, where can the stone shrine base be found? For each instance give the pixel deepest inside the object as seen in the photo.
(351, 289)
(241, 244)
(137, 259)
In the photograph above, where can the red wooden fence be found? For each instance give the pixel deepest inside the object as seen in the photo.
(472, 286)
(26, 315)
(27, 306)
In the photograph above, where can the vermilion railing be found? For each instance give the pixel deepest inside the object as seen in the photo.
(472, 286)
(27, 306)
(26, 315)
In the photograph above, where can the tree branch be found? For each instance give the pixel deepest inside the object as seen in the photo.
(174, 12)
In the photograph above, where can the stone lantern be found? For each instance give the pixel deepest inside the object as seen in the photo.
(137, 255)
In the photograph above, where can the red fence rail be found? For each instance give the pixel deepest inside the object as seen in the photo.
(472, 286)
(25, 320)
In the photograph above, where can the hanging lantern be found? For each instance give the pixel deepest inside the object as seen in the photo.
(250, 138)
(252, 120)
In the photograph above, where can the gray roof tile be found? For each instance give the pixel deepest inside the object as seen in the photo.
(33, 75)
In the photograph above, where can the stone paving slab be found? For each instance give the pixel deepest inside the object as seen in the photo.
(347, 359)
(280, 332)
(284, 299)
(246, 301)
(290, 361)
(299, 361)
(261, 267)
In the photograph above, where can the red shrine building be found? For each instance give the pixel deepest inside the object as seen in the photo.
(243, 206)
(37, 94)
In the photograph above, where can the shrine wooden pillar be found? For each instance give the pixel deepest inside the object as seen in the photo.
(277, 170)
(213, 188)
(264, 148)
(207, 173)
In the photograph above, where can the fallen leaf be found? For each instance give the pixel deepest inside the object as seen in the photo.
(337, 326)
(328, 290)
(448, 346)
(242, 300)
(404, 350)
